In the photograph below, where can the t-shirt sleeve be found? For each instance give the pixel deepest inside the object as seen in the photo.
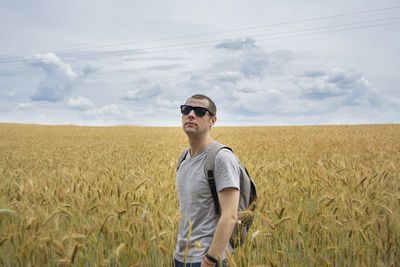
(227, 171)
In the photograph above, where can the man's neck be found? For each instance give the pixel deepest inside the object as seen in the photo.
(198, 144)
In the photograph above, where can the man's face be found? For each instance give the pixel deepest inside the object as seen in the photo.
(193, 125)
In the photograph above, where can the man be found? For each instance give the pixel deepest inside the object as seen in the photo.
(203, 236)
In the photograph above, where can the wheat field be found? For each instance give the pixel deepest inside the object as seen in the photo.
(105, 196)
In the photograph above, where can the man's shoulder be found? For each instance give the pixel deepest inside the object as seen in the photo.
(224, 151)
(225, 154)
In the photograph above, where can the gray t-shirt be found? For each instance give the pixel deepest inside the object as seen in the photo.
(196, 204)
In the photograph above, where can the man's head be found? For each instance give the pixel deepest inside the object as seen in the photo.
(211, 105)
(198, 115)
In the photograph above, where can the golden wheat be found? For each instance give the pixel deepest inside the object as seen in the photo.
(101, 196)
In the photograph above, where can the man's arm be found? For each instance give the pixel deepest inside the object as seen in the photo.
(229, 202)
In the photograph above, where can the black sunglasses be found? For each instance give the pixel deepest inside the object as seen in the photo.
(199, 111)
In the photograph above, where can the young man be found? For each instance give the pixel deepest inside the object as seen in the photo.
(203, 235)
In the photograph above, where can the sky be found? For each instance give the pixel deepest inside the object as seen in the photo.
(106, 63)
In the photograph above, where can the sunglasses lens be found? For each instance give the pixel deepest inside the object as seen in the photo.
(199, 111)
(185, 110)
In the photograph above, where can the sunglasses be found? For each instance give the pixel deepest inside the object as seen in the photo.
(199, 111)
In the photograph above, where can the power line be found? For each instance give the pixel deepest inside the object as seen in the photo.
(237, 29)
(339, 30)
(286, 37)
(66, 52)
(267, 34)
(180, 48)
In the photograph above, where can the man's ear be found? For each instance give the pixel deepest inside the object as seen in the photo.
(213, 121)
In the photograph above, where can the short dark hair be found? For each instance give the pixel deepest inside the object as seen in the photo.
(211, 105)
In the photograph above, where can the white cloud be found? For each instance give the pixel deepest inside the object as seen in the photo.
(58, 80)
(107, 110)
(246, 61)
(135, 94)
(24, 105)
(79, 103)
(338, 87)
(257, 83)
(144, 90)
(166, 103)
(267, 101)
(238, 44)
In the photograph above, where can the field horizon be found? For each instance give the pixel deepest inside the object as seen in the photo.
(215, 126)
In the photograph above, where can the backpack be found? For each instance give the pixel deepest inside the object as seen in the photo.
(248, 194)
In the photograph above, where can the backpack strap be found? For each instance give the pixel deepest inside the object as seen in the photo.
(209, 170)
(182, 157)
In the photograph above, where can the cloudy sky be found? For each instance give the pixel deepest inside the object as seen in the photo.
(100, 62)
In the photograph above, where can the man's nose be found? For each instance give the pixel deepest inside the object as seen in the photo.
(192, 114)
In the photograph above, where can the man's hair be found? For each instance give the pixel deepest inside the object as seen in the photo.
(211, 105)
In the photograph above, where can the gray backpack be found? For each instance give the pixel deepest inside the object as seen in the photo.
(248, 194)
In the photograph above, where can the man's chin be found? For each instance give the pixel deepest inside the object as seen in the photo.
(190, 130)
